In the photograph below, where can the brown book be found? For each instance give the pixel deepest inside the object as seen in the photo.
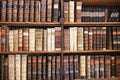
(113, 66)
(57, 68)
(3, 10)
(37, 11)
(34, 67)
(58, 38)
(6, 68)
(97, 66)
(45, 36)
(117, 66)
(49, 10)
(2, 68)
(20, 40)
(66, 39)
(71, 59)
(90, 38)
(20, 10)
(94, 38)
(43, 11)
(78, 11)
(0, 38)
(25, 39)
(88, 72)
(114, 38)
(26, 10)
(66, 12)
(4, 38)
(66, 67)
(76, 69)
(98, 38)
(39, 68)
(44, 69)
(107, 66)
(14, 10)
(53, 67)
(11, 40)
(32, 7)
(49, 68)
(55, 10)
(92, 66)
(15, 40)
(29, 67)
(118, 38)
(9, 10)
(86, 38)
(104, 43)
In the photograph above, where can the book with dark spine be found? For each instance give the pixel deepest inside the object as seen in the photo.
(43, 10)
(57, 38)
(26, 10)
(53, 67)
(94, 38)
(97, 66)
(86, 38)
(29, 67)
(117, 66)
(20, 10)
(3, 10)
(39, 68)
(118, 38)
(0, 38)
(107, 66)
(92, 66)
(71, 59)
(49, 10)
(98, 38)
(57, 68)
(32, 7)
(2, 67)
(37, 11)
(15, 10)
(49, 75)
(101, 66)
(66, 67)
(6, 68)
(113, 66)
(44, 68)
(55, 10)
(104, 43)
(9, 10)
(34, 67)
(90, 38)
(66, 12)
(78, 11)
(114, 38)
(76, 67)
(20, 40)
(25, 39)
(88, 70)
(66, 39)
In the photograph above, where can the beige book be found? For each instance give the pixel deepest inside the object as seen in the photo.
(32, 39)
(11, 40)
(80, 37)
(71, 11)
(53, 39)
(11, 67)
(88, 68)
(45, 40)
(17, 67)
(82, 66)
(20, 36)
(75, 38)
(15, 40)
(49, 42)
(71, 39)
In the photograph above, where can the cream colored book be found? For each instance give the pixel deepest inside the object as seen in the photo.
(49, 39)
(11, 37)
(53, 39)
(45, 40)
(82, 66)
(15, 42)
(71, 11)
(75, 38)
(71, 39)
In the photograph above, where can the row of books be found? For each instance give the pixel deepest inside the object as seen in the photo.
(47, 67)
(49, 11)
(49, 39)
(30, 10)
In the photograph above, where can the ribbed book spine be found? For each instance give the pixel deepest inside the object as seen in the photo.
(9, 10)
(43, 10)
(15, 40)
(78, 11)
(29, 67)
(26, 10)
(20, 39)
(49, 10)
(3, 10)
(66, 12)
(39, 68)
(32, 7)
(15, 10)
(11, 37)
(34, 67)
(20, 10)
(55, 10)
(71, 11)
(37, 11)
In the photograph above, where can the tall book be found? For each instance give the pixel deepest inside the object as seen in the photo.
(49, 39)
(66, 12)
(6, 68)
(25, 39)
(44, 68)
(49, 10)
(66, 67)
(80, 39)
(53, 39)
(113, 66)
(15, 10)
(3, 10)
(39, 68)
(38, 39)
(114, 38)
(94, 44)
(58, 67)
(86, 38)
(45, 36)
(92, 66)
(75, 39)
(90, 38)
(20, 10)
(96, 66)
(9, 10)
(26, 10)
(34, 67)
(24, 67)
(49, 74)
(75, 67)
(11, 67)
(88, 72)
(104, 37)
(2, 67)
(11, 39)
(32, 7)
(53, 63)
(20, 39)
(71, 39)
(18, 67)
(71, 71)
(71, 11)
(43, 11)
(29, 67)
(78, 11)
(66, 39)
(117, 66)
(31, 39)
(15, 39)
(55, 10)
(58, 38)
(37, 11)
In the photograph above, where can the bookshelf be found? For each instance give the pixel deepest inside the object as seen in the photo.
(62, 53)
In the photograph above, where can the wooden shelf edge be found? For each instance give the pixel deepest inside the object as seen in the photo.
(105, 79)
(58, 52)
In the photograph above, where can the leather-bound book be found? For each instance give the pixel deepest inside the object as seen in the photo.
(26, 10)
(20, 39)
(66, 12)
(49, 75)
(34, 67)
(94, 44)
(9, 10)
(86, 38)
(29, 67)
(49, 11)
(66, 67)
(78, 11)
(104, 37)
(53, 67)
(43, 11)
(6, 68)
(32, 7)
(3, 10)
(15, 39)
(71, 11)
(11, 39)
(58, 67)
(56, 10)
(20, 10)
(37, 11)
(97, 66)
(90, 38)
(15, 11)
(39, 68)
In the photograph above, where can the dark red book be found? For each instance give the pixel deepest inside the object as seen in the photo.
(3, 10)
(57, 68)
(32, 7)
(53, 67)
(34, 67)
(29, 67)
(85, 38)
(39, 68)
(66, 67)
(55, 10)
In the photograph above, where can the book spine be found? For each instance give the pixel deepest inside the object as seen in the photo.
(37, 11)
(97, 67)
(0, 39)
(43, 10)
(55, 10)
(113, 66)
(53, 67)
(49, 39)
(15, 10)
(49, 10)
(11, 37)
(90, 37)
(49, 68)
(58, 67)
(6, 68)
(26, 10)
(39, 68)
(86, 38)
(20, 10)
(20, 40)
(76, 69)
(118, 37)
(31, 39)
(71, 39)
(53, 39)
(29, 67)
(25, 39)
(104, 43)
(45, 36)
(88, 72)
(94, 38)
(114, 38)
(71, 11)
(78, 11)
(9, 10)
(117, 66)
(15, 40)
(32, 7)
(3, 10)
(34, 67)
(92, 64)
(66, 12)
(75, 39)
(71, 59)
(66, 67)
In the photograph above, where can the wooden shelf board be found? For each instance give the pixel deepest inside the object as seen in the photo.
(101, 2)
(92, 23)
(31, 23)
(58, 52)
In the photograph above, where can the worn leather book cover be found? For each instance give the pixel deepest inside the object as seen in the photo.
(43, 10)
(9, 10)
(37, 12)
(56, 10)
(66, 12)
(29, 67)
(3, 10)
(78, 11)
(20, 10)
(32, 7)
(15, 11)
(20, 39)
(26, 10)
(34, 67)
(49, 10)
